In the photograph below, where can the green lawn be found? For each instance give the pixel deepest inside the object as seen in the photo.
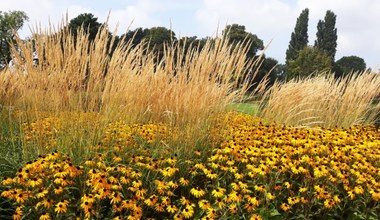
(244, 107)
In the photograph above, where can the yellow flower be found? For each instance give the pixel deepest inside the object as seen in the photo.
(197, 192)
(115, 197)
(58, 190)
(151, 201)
(169, 171)
(61, 207)
(184, 201)
(7, 181)
(17, 215)
(41, 193)
(255, 217)
(293, 200)
(233, 208)
(188, 211)
(47, 203)
(177, 217)
(218, 192)
(328, 203)
(159, 207)
(358, 190)
(270, 196)
(171, 209)
(287, 185)
(302, 189)
(45, 216)
(21, 197)
(204, 204)
(211, 213)
(183, 181)
(285, 207)
(351, 194)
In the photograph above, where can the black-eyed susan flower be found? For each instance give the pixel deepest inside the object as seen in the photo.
(151, 201)
(7, 181)
(204, 204)
(255, 217)
(45, 216)
(183, 181)
(17, 215)
(188, 212)
(197, 192)
(285, 207)
(61, 207)
(218, 192)
(233, 209)
(177, 217)
(329, 203)
(159, 207)
(21, 197)
(171, 209)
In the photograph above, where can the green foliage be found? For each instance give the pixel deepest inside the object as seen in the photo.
(87, 21)
(269, 67)
(348, 64)
(237, 34)
(10, 22)
(192, 42)
(158, 37)
(136, 36)
(299, 37)
(309, 60)
(327, 35)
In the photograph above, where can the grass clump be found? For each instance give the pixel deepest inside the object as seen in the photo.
(324, 101)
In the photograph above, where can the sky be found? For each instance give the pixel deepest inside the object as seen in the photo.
(273, 21)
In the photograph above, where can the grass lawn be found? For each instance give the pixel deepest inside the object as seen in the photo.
(244, 107)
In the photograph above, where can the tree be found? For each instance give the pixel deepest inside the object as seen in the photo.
(309, 60)
(157, 38)
(88, 22)
(348, 64)
(270, 69)
(299, 37)
(136, 36)
(237, 34)
(327, 35)
(10, 22)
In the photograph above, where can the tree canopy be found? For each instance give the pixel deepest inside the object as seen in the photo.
(236, 33)
(86, 20)
(309, 60)
(10, 22)
(348, 64)
(327, 35)
(299, 37)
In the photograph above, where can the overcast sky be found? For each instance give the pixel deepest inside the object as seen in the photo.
(358, 21)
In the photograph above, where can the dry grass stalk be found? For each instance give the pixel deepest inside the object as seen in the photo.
(324, 101)
(182, 89)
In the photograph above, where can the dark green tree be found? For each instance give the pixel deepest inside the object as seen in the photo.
(310, 60)
(192, 43)
(157, 37)
(86, 20)
(327, 35)
(236, 33)
(10, 23)
(269, 69)
(299, 37)
(136, 36)
(348, 64)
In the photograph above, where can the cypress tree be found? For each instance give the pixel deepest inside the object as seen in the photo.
(299, 37)
(327, 35)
